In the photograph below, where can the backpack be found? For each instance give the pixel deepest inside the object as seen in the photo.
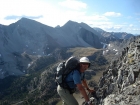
(63, 69)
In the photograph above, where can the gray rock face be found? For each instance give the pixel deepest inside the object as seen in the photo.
(120, 83)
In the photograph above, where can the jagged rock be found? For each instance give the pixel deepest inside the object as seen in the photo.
(120, 82)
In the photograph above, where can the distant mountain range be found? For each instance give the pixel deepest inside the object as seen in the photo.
(120, 35)
(30, 37)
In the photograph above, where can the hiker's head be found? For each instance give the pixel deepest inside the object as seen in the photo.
(84, 64)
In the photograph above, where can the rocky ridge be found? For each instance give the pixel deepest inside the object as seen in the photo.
(120, 83)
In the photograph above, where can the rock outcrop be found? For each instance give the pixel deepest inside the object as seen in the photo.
(120, 83)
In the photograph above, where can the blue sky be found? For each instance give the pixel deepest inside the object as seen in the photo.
(110, 15)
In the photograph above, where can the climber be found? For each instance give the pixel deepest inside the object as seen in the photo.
(76, 79)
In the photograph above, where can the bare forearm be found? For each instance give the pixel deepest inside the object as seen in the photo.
(86, 86)
(85, 83)
(84, 94)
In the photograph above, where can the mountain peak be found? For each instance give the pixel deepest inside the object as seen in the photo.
(23, 19)
(70, 22)
(26, 20)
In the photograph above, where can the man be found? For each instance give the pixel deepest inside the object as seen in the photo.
(73, 80)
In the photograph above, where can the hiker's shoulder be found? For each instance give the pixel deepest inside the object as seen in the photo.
(76, 72)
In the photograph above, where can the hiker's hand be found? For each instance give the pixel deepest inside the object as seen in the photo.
(91, 90)
(90, 104)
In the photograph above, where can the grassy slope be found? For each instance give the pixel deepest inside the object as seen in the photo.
(80, 51)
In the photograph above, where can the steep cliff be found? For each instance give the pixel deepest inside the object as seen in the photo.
(120, 83)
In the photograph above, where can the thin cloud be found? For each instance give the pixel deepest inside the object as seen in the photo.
(25, 7)
(18, 17)
(102, 25)
(97, 17)
(73, 4)
(136, 29)
(112, 14)
(113, 28)
(131, 25)
(129, 17)
(138, 19)
(110, 26)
